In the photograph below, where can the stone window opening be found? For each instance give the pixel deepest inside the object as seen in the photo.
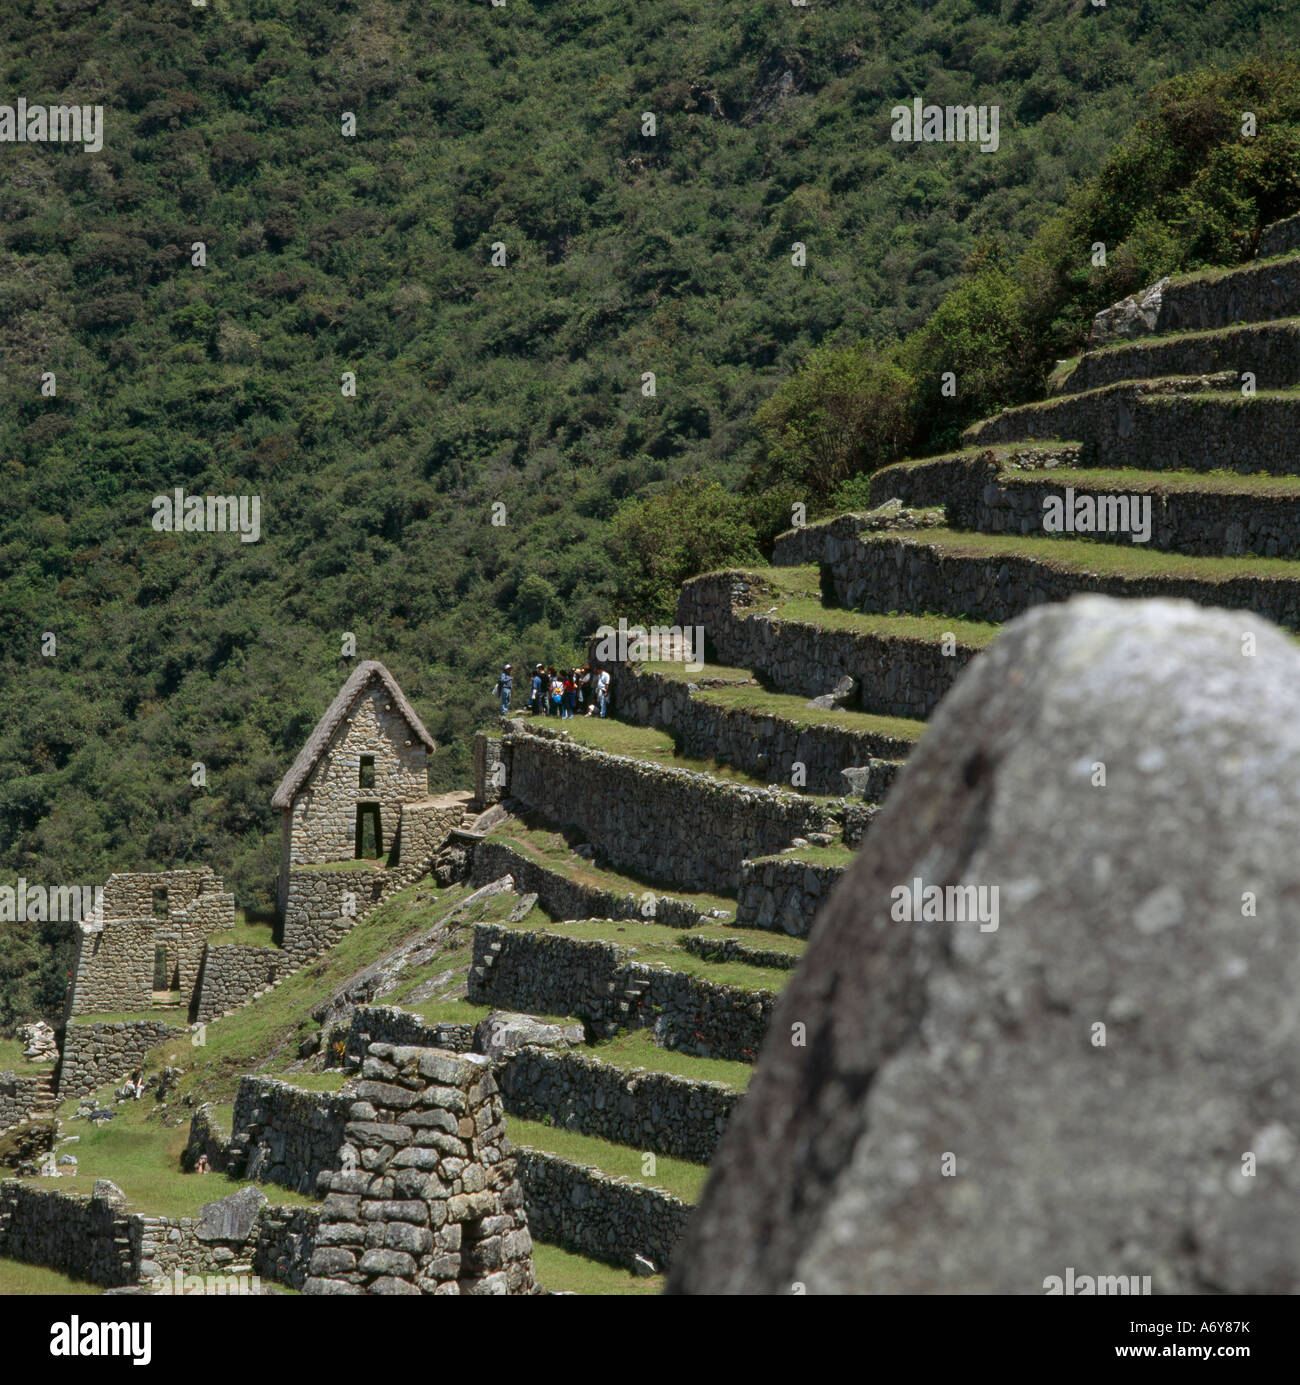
(367, 777)
(472, 1265)
(370, 832)
(160, 901)
(161, 980)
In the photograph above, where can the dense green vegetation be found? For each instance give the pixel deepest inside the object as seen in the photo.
(522, 384)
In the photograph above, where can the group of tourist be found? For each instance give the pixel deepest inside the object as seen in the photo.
(559, 692)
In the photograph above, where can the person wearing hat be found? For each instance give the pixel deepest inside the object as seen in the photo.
(504, 684)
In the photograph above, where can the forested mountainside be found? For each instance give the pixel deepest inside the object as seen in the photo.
(132, 364)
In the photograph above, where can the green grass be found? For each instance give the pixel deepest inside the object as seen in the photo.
(19, 1279)
(564, 1272)
(142, 1157)
(170, 1016)
(533, 836)
(330, 1081)
(675, 1176)
(656, 943)
(795, 595)
(797, 712)
(835, 855)
(1093, 556)
(12, 1060)
(636, 1048)
(709, 673)
(243, 933)
(1117, 479)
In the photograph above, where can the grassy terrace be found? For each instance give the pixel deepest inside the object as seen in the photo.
(656, 943)
(551, 846)
(654, 747)
(794, 594)
(1117, 479)
(19, 1279)
(243, 933)
(175, 1015)
(636, 1048)
(751, 696)
(835, 855)
(675, 1176)
(561, 1271)
(12, 1060)
(142, 1156)
(1094, 557)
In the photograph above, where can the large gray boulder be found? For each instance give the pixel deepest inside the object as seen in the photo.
(233, 1218)
(1163, 905)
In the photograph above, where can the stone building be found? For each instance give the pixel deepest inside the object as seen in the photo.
(352, 791)
(149, 942)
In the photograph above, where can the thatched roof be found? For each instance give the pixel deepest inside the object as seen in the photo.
(319, 740)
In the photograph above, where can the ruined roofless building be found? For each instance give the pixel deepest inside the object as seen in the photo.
(344, 795)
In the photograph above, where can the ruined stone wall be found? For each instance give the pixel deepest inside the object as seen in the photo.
(286, 1240)
(423, 830)
(434, 1206)
(94, 1054)
(584, 1210)
(783, 894)
(657, 1111)
(231, 974)
(759, 743)
(130, 894)
(1279, 239)
(667, 825)
(603, 984)
(389, 1025)
(566, 898)
(490, 752)
(896, 677)
(323, 818)
(284, 1134)
(20, 1095)
(115, 967)
(86, 1237)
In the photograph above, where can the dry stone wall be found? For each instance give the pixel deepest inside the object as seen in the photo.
(389, 1025)
(656, 1111)
(604, 985)
(435, 1206)
(1280, 238)
(284, 1134)
(20, 1095)
(565, 898)
(586, 1211)
(669, 825)
(322, 905)
(94, 1054)
(231, 974)
(783, 894)
(1255, 292)
(760, 743)
(886, 574)
(896, 677)
(89, 1238)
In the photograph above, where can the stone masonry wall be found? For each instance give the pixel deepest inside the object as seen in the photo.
(669, 825)
(885, 574)
(387, 1024)
(759, 743)
(657, 1111)
(565, 898)
(897, 677)
(435, 1206)
(1255, 292)
(1280, 238)
(94, 1054)
(604, 985)
(20, 1095)
(231, 974)
(1160, 425)
(783, 894)
(586, 1211)
(1271, 352)
(285, 1134)
(315, 915)
(86, 1237)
